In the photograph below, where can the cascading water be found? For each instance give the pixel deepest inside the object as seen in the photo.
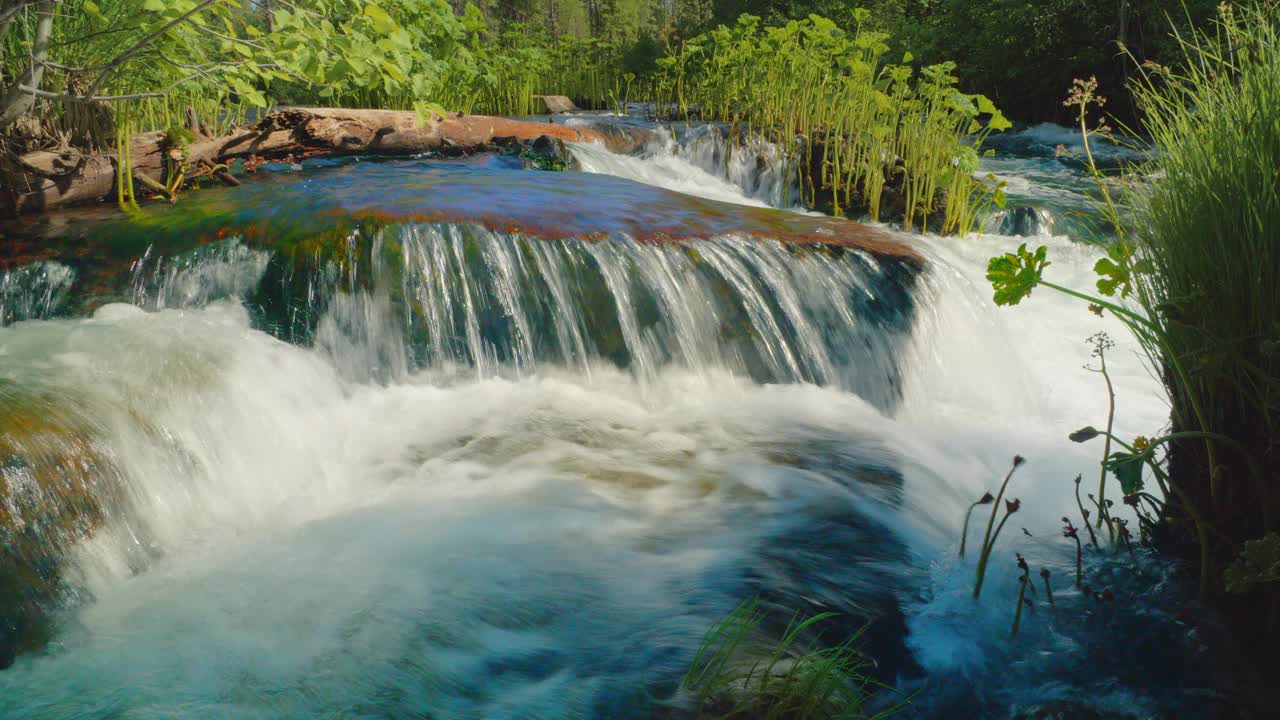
(750, 171)
(33, 292)
(425, 468)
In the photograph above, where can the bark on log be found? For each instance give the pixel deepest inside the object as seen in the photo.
(45, 180)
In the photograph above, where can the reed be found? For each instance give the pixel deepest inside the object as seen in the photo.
(1208, 227)
(986, 499)
(989, 540)
(1024, 582)
(736, 673)
(881, 137)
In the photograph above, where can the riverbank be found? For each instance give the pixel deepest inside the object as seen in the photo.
(46, 180)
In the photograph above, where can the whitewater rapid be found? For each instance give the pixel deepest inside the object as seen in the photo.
(334, 529)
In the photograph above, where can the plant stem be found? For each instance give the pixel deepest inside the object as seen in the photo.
(964, 535)
(1106, 448)
(1079, 561)
(987, 540)
(986, 555)
(1017, 613)
(1083, 516)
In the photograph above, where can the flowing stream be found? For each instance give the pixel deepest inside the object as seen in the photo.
(437, 468)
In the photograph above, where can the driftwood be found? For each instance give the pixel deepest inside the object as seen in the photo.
(47, 180)
(555, 103)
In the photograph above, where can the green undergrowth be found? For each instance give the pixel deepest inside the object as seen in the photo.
(879, 136)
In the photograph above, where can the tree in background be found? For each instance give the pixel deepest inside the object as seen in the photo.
(1024, 55)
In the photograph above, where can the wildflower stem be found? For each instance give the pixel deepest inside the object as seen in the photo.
(987, 540)
(1017, 613)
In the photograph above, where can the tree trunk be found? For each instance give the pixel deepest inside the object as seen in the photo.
(18, 102)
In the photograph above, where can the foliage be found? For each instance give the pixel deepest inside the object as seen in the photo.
(1208, 231)
(1193, 274)
(868, 124)
(1023, 53)
(739, 674)
(1014, 275)
(152, 59)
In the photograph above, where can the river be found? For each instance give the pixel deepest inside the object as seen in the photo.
(439, 469)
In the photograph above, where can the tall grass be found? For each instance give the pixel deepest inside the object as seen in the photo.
(1210, 228)
(523, 62)
(738, 673)
(878, 132)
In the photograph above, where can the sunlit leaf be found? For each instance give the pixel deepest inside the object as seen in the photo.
(1015, 275)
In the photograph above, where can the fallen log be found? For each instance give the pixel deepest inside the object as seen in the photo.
(44, 180)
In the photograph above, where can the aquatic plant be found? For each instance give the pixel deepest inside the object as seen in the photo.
(737, 673)
(986, 499)
(1024, 581)
(1070, 531)
(989, 540)
(873, 132)
(1048, 588)
(1084, 514)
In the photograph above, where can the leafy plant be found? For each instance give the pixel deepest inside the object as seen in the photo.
(871, 131)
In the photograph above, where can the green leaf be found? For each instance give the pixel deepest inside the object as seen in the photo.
(426, 110)
(382, 22)
(394, 71)
(338, 72)
(1015, 275)
(91, 9)
(1117, 270)
(1127, 467)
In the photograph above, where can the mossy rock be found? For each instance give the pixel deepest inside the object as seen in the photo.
(547, 153)
(50, 499)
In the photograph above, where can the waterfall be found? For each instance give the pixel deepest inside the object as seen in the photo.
(407, 463)
(34, 292)
(705, 161)
(418, 296)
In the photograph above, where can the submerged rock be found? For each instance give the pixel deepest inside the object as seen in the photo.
(547, 153)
